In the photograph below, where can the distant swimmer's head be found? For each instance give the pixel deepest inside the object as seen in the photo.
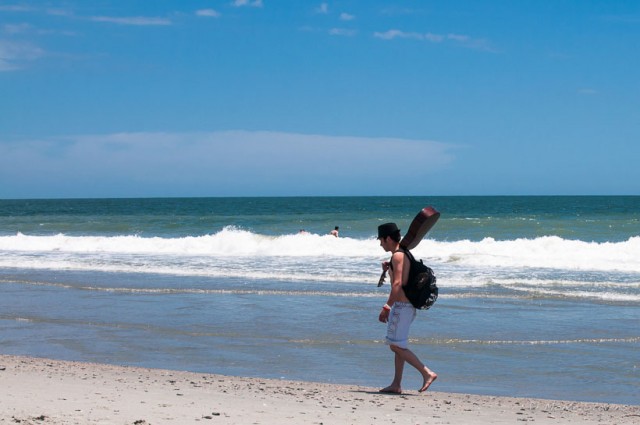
(389, 229)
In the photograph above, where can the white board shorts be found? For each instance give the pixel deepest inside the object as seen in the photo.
(400, 318)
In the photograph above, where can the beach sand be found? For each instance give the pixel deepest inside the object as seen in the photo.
(44, 391)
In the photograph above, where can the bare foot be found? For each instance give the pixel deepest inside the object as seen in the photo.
(391, 390)
(429, 377)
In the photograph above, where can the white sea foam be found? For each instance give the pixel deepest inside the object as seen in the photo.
(604, 295)
(545, 252)
(543, 267)
(455, 341)
(228, 242)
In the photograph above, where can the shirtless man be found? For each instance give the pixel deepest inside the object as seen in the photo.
(398, 313)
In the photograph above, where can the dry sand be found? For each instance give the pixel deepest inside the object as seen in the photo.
(43, 391)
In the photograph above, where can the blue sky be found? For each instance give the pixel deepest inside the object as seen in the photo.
(285, 98)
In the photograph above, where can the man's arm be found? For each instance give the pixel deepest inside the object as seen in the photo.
(397, 261)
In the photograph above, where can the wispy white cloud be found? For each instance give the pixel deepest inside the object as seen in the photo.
(323, 9)
(396, 11)
(14, 55)
(59, 12)
(434, 38)
(132, 20)
(346, 17)
(28, 29)
(243, 3)
(15, 8)
(24, 8)
(472, 43)
(120, 20)
(464, 40)
(210, 13)
(12, 29)
(342, 32)
(391, 34)
(220, 163)
(458, 37)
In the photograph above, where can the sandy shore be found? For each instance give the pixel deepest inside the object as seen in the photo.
(43, 391)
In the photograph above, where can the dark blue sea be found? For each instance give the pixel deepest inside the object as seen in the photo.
(539, 296)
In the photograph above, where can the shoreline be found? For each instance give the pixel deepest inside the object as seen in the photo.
(45, 391)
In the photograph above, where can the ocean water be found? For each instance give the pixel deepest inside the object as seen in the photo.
(539, 296)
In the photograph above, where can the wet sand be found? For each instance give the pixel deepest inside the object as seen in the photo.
(43, 391)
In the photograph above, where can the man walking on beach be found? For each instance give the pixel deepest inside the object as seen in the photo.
(398, 313)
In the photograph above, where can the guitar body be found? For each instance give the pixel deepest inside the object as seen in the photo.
(421, 224)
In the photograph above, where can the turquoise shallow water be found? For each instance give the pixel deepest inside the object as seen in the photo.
(587, 218)
(539, 296)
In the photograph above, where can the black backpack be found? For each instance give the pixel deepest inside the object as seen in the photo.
(421, 288)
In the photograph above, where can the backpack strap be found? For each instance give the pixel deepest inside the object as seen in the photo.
(407, 253)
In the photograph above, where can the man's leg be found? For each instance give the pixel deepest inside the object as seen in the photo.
(406, 355)
(396, 385)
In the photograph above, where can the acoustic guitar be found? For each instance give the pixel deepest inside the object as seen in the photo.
(419, 227)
